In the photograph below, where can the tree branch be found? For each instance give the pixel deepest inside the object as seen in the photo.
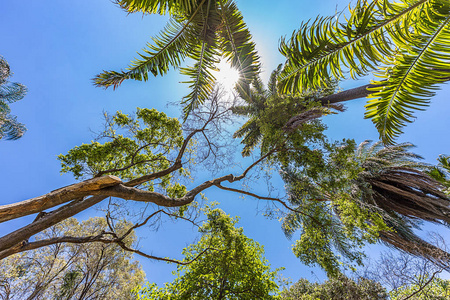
(424, 286)
(269, 199)
(17, 238)
(56, 197)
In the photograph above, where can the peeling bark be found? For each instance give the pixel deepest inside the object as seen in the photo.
(56, 197)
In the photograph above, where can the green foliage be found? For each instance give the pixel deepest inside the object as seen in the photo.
(405, 43)
(269, 112)
(232, 267)
(201, 30)
(340, 288)
(437, 289)
(320, 188)
(442, 172)
(345, 197)
(133, 147)
(9, 93)
(73, 271)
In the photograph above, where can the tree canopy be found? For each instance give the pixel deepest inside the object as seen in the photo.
(223, 264)
(71, 270)
(338, 197)
(337, 288)
(204, 31)
(404, 43)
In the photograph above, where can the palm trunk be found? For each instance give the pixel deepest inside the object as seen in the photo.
(351, 94)
(417, 248)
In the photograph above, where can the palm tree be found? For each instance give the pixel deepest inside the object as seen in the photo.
(268, 111)
(374, 193)
(395, 185)
(204, 31)
(9, 93)
(404, 43)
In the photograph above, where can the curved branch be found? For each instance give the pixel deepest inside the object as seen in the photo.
(18, 237)
(424, 286)
(90, 239)
(269, 199)
(175, 166)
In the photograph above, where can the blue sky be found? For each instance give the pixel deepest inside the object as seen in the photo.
(56, 47)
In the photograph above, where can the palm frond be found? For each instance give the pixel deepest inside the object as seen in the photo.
(398, 184)
(441, 172)
(168, 49)
(202, 30)
(404, 43)
(236, 42)
(12, 92)
(408, 85)
(206, 56)
(318, 53)
(414, 245)
(157, 6)
(273, 81)
(10, 129)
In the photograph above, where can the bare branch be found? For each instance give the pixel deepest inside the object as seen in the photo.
(422, 287)
(269, 199)
(17, 238)
(56, 197)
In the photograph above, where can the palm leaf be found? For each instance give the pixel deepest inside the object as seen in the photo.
(412, 81)
(170, 48)
(9, 92)
(236, 42)
(201, 30)
(10, 129)
(202, 81)
(157, 6)
(317, 53)
(405, 43)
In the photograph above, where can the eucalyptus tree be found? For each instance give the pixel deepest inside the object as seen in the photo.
(204, 31)
(145, 159)
(338, 288)
(10, 92)
(72, 270)
(403, 43)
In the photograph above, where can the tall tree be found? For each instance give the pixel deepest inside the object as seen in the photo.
(409, 277)
(339, 288)
(10, 92)
(404, 43)
(363, 195)
(273, 117)
(224, 264)
(204, 31)
(152, 157)
(72, 271)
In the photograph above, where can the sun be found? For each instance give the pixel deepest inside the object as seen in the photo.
(227, 76)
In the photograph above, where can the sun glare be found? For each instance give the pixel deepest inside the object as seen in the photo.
(227, 76)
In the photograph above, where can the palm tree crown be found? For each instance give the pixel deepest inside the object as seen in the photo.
(370, 193)
(404, 43)
(203, 30)
(273, 116)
